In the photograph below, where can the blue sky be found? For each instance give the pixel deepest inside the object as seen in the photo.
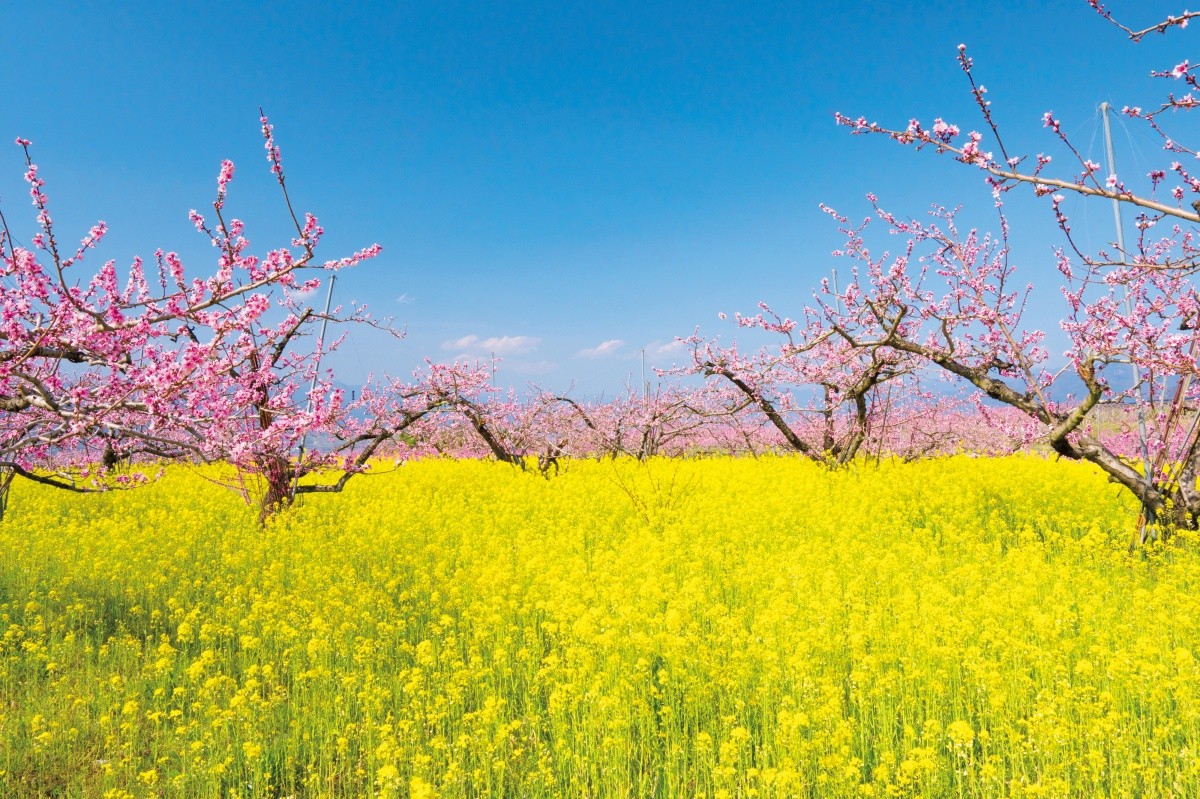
(546, 178)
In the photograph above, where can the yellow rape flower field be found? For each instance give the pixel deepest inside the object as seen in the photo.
(683, 628)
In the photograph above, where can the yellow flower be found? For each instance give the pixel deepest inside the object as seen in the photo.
(961, 735)
(420, 789)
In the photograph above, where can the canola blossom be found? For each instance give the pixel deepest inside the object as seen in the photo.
(959, 627)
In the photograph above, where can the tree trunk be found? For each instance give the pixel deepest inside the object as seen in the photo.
(858, 433)
(279, 476)
(827, 437)
(6, 480)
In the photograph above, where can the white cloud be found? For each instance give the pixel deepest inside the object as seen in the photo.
(300, 294)
(460, 343)
(602, 349)
(668, 348)
(406, 299)
(530, 367)
(499, 345)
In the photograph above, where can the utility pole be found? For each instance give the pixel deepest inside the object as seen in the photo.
(645, 385)
(321, 340)
(316, 374)
(1106, 111)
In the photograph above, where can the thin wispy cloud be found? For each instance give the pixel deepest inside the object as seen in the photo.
(602, 349)
(669, 348)
(406, 299)
(301, 294)
(530, 367)
(497, 345)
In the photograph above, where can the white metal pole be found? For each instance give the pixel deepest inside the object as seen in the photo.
(316, 374)
(645, 385)
(1106, 111)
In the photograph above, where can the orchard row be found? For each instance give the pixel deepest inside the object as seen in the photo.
(153, 364)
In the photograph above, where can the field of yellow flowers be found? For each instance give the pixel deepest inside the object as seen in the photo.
(682, 628)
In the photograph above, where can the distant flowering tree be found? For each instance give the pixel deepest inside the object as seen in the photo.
(672, 419)
(822, 395)
(466, 416)
(465, 393)
(932, 425)
(546, 429)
